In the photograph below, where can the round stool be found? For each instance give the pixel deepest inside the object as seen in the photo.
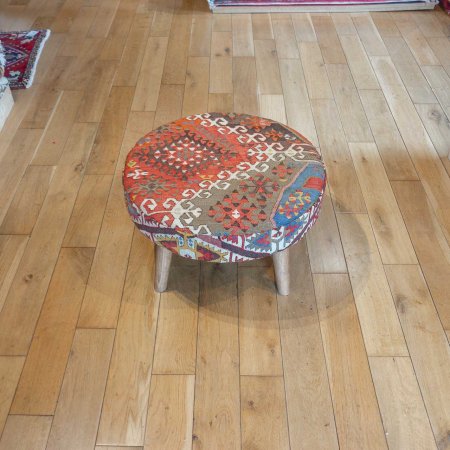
(224, 188)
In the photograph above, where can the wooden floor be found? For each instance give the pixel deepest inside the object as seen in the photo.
(357, 357)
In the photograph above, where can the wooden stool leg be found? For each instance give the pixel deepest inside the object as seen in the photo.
(281, 265)
(163, 258)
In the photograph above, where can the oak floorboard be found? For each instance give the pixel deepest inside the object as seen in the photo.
(81, 396)
(43, 372)
(427, 344)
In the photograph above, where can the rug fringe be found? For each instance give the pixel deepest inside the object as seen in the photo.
(36, 55)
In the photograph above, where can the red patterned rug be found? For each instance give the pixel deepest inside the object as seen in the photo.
(22, 51)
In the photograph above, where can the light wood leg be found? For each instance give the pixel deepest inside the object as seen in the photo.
(281, 265)
(163, 259)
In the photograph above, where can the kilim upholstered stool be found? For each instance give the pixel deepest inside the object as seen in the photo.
(224, 188)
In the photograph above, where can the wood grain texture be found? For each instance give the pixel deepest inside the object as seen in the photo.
(82, 391)
(308, 399)
(428, 346)
(259, 337)
(25, 432)
(358, 420)
(217, 400)
(10, 369)
(379, 322)
(169, 423)
(176, 339)
(263, 413)
(371, 91)
(397, 392)
(18, 316)
(42, 375)
(390, 231)
(126, 396)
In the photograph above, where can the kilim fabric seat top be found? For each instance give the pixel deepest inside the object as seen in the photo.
(224, 187)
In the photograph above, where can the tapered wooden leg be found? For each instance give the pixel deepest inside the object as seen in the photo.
(163, 258)
(281, 265)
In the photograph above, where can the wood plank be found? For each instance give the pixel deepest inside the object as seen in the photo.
(298, 107)
(409, 71)
(221, 68)
(175, 349)
(26, 204)
(170, 102)
(324, 242)
(217, 399)
(101, 302)
(87, 215)
(82, 391)
(10, 369)
(242, 35)
(149, 80)
(132, 59)
(347, 99)
(359, 63)
(328, 39)
(385, 24)
(195, 99)
(357, 416)
(178, 46)
(314, 70)
(78, 72)
(125, 404)
(343, 24)
(343, 182)
(14, 163)
(259, 336)
(284, 36)
(162, 19)
(415, 39)
(303, 28)
(369, 35)
(103, 19)
(309, 406)
(110, 133)
(220, 102)
(272, 107)
(427, 344)
(169, 424)
(222, 22)
(25, 432)
(51, 146)
(244, 85)
(78, 31)
(200, 44)
(379, 322)
(397, 392)
(429, 242)
(120, 28)
(42, 375)
(437, 125)
(19, 315)
(11, 251)
(396, 160)
(94, 99)
(440, 82)
(269, 81)
(440, 49)
(390, 231)
(425, 158)
(262, 26)
(263, 412)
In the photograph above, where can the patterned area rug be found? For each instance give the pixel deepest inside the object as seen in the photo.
(22, 51)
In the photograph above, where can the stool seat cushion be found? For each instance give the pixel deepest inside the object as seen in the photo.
(224, 187)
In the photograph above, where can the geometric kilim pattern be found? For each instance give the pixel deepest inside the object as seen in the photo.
(224, 187)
